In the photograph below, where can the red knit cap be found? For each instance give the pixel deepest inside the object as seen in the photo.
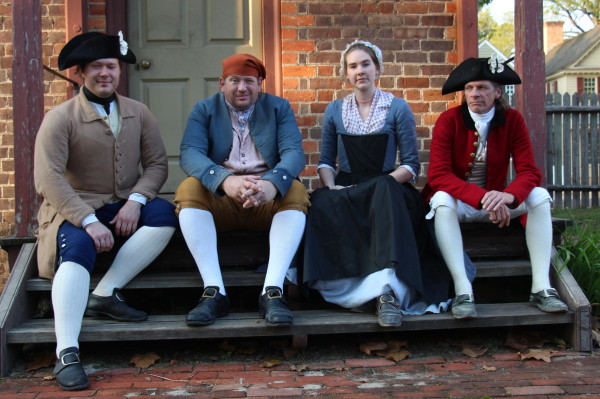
(243, 65)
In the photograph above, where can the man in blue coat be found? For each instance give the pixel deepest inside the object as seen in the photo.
(242, 151)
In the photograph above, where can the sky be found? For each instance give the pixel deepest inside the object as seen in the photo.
(500, 7)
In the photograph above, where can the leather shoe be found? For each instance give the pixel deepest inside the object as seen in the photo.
(70, 374)
(113, 306)
(212, 304)
(273, 307)
(388, 310)
(548, 301)
(463, 307)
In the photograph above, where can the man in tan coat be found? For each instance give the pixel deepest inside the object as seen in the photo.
(99, 163)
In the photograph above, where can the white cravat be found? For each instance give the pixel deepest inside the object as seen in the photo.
(482, 124)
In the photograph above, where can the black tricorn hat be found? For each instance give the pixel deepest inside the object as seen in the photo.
(92, 46)
(473, 69)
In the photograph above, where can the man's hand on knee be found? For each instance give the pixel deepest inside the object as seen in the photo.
(127, 218)
(102, 236)
(494, 200)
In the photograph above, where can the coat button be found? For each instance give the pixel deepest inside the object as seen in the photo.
(467, 174)
(284, 177)
(476, 144)
(472, 155)
(476, 134)
(470, 164)
(212, 172)
(274, 170)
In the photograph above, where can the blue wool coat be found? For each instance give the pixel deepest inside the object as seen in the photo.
(208, 137)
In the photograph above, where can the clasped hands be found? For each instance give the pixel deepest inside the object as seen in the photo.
(496, 204)
(250, 190)
(125, 224)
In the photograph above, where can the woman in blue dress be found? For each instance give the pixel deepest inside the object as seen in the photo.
(367, 245)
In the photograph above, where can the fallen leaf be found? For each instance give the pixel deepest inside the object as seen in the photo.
(372, 346)
(145, 360)
(523, 340)
(174, 362)
(300, 367)
(397, 355)
(41, 360)
(596, 336)
(473, 351)
(488, 368)
(49, 378)
(340, 368)
(397, 345)
(269, 362)
(539, 354)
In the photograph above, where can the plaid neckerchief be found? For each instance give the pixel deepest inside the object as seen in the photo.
(380, 106)
(242, 116)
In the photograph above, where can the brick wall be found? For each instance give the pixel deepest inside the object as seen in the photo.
(7, 189)
(417, 41)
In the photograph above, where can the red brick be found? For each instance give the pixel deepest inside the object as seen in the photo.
(297, 20)
(294, 96)
(537, 390)
(298, 45)
(374, 362)
(299, 71)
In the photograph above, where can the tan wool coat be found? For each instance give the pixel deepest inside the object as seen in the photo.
(80, 165)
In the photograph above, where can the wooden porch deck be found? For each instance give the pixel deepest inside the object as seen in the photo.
(169, 288)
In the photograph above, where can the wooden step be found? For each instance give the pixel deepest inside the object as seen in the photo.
(251, 278)
(308, 322)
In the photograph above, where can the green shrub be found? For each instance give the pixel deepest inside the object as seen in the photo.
(580, 251)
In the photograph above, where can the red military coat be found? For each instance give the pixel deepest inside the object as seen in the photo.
(453, 149)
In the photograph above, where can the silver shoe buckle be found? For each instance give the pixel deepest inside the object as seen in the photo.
(62, 359)
(274, 294)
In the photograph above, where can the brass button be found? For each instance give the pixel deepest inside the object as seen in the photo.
(476, 143)
(467, 174)
(472, 155)
(470, 164)
(476, 134)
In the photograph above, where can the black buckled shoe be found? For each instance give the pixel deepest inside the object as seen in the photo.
(548, 301)
(272, 307)
(70, 374)
(113, 306)
(212, 304)
(388, 310)
(463, 307)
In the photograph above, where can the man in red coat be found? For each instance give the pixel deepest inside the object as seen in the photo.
(469, 161)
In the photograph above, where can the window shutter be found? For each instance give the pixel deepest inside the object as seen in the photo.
(580, 85)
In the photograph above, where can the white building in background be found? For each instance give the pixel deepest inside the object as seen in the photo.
(572, 66)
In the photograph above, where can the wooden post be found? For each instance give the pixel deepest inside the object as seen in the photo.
(28, 107)
(466, 24)
(116, 20)
(75, 24)
(466, 42)
(529, 64)
(272, 46)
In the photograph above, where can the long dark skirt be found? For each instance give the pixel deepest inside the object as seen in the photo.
(374, 225)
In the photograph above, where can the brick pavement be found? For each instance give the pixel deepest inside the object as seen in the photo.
(569, 375)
